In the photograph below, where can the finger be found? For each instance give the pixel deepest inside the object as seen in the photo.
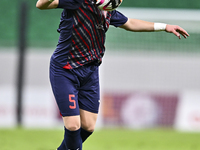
(182, 31)
(177, 34)
(185, 34)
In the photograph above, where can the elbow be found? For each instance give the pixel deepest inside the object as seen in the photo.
(39, 6)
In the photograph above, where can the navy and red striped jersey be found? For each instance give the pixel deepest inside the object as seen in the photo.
(82, 33)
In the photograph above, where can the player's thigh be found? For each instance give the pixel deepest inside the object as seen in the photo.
(89, 92)
(88, 120)
(65, 91)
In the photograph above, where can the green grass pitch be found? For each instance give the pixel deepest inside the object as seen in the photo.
(104, 139)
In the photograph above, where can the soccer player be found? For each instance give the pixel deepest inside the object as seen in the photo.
(75, 62)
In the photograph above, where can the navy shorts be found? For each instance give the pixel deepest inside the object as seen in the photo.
(75, 88)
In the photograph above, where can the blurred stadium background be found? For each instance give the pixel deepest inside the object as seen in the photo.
(148, 80)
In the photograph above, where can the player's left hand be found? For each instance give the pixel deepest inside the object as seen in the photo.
(178, 31)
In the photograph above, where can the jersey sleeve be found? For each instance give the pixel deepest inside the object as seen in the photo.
(70, 4)
(117, 18)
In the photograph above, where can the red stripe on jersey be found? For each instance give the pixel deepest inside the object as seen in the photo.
(89, 35)
(80, 50)
(83, 41)
(92, 26)
(75, 59)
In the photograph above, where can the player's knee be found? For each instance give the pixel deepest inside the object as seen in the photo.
(72, 127)
(91, 129)
(88, 127)
(72, 123)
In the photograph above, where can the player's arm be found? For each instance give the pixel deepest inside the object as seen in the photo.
(136, 25)
(47, 4)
